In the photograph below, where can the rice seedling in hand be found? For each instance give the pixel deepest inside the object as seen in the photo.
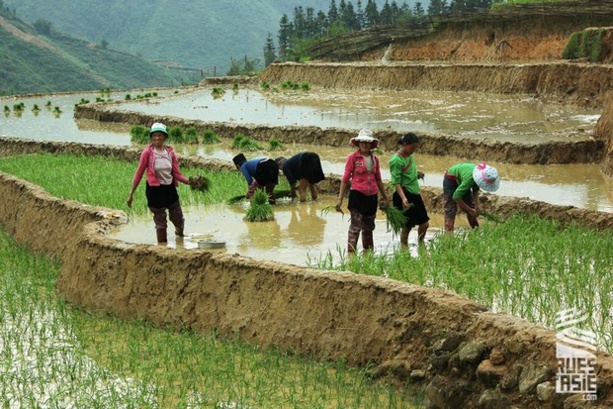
(201, 183)
(259, 210)
(396, 220)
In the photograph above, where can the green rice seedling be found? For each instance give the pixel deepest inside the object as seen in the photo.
(139, 134)
(175, 134)
(57, 110)
(395, 218)
(210, 137)
(265, 86)
(243, 142)
(191, 135)
(128, 97)
(19, 107)
(218, 92)
(7, 109)
(48, 104)
(235, 86)
(236, 199)
(200, 183)
(305, 86)
(35, 107)
(259, 210)
(274, 144)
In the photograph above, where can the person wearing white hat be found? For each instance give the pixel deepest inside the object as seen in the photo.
(363, 175)
(461, 186)
(160, 163)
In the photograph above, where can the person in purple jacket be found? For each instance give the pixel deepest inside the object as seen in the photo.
(461, 186)
(163, 176)
(363, 175)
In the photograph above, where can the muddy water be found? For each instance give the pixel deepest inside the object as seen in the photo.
(301, 233)
(577, 185)
(479, 115)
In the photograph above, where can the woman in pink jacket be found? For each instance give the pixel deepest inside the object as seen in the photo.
(163, 177)
(363, 175)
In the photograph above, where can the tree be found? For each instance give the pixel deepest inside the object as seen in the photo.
(371, 14)
(43, 27)
(284, 36)
(418, 9)
(437, 7)
(350, 18)
(332, 12)
(269, 51)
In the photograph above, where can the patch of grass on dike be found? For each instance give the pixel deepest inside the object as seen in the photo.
(526, 266)
(61, 356)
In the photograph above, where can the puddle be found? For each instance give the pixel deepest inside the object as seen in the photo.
(300, 233)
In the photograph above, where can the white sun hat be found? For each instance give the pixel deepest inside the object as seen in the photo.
(365, 135)
(158, 127)
(486, 177)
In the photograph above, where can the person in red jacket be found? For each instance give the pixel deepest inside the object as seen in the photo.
(363, 174)
(160, 163)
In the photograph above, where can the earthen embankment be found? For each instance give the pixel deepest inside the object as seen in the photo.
(558, 152)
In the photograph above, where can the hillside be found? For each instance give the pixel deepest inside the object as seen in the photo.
(194, 33)
(57, 62)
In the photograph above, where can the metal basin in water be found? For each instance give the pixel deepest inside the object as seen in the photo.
(211, 244)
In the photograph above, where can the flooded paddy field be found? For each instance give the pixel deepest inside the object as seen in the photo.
(492, 116)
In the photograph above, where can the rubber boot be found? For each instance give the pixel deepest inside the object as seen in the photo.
(161, 236)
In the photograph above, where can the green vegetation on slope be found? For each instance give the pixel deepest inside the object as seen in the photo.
(57, 62)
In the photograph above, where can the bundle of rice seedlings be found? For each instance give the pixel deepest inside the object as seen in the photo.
(236, 199)
(209, 137)
(396, 220)
(491, 217)
(278, 194)
(201, 183)
(328, 209)
(259, 210)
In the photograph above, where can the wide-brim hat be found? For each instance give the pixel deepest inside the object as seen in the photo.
(239, 160)
(365, 135)
(158, 127)
(486, 177)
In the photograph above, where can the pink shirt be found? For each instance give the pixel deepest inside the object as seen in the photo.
(362, 180)
(146, 163)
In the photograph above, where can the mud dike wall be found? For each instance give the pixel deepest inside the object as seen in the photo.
(466, 356)
(587, 151)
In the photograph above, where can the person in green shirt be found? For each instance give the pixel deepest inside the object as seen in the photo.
(461, 186)
(406, 197)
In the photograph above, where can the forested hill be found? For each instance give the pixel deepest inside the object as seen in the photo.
(31, 63)
(193, 33)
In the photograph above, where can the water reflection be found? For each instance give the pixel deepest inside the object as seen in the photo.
(300, 231)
